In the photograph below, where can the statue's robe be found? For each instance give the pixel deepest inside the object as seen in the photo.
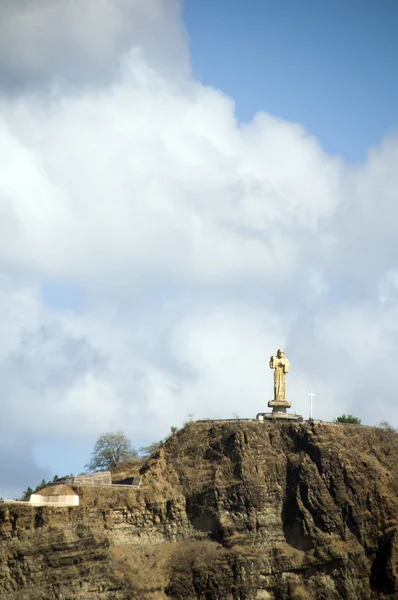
(281, 366)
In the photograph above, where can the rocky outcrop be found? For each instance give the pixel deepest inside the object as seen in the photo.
(245, 510)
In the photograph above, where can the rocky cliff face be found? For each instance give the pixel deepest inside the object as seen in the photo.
(226, 511)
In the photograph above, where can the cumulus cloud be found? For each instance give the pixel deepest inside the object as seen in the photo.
(198, 245)
(50, 42)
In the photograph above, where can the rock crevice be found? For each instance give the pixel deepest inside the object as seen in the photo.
(228, 511)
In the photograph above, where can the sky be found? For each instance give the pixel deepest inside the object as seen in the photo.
(184, 188)
(328, 65)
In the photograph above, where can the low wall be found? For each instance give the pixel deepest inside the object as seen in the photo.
(69, 500)
(100, 478)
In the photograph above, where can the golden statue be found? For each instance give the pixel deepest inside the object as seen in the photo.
(281, 366)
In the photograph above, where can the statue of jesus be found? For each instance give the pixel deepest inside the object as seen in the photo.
(281, 366)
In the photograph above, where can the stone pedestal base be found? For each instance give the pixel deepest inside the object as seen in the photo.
(279, 411)
(278, 416)
(279, 406)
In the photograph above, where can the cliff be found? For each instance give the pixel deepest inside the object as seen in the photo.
(242, 511)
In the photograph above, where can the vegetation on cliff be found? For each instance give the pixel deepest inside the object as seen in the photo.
(110, 450)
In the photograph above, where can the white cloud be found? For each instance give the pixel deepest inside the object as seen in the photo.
(82, 42)
(154, 178)
(199, 245)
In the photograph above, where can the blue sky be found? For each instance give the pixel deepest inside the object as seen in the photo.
(330, 65)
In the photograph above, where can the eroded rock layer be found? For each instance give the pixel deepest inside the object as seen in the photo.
(242, 511)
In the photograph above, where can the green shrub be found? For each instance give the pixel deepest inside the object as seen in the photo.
(348, 419)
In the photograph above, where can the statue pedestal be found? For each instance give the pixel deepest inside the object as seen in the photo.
(278, 416)
(279, 411)
(279, 406)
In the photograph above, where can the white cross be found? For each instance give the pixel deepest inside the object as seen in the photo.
(311, 395)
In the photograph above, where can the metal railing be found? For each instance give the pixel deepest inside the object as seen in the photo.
(287, 421)
(135, 483)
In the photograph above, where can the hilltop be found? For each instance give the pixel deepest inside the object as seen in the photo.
(240, 510)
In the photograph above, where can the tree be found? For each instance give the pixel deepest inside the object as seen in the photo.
(387, 426)
(146, 451)
(26, 494)
(29, 491)
(110, 450)
(389, 436)
(189, 418)
(151, 449)
(348, 419)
